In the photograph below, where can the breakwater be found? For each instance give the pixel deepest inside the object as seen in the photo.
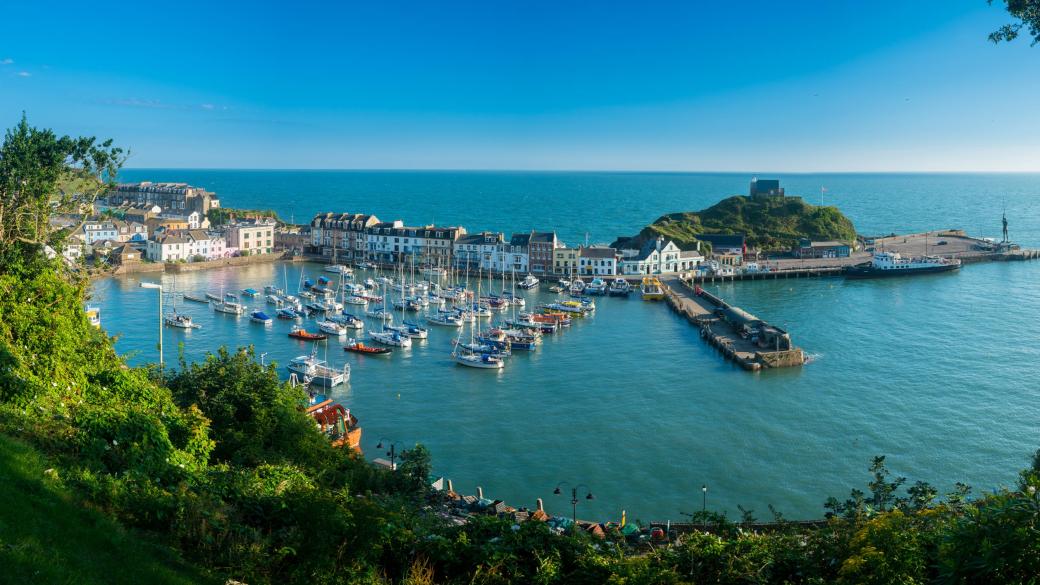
(749, 341)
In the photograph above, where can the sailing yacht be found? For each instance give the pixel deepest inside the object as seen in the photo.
(470, 359)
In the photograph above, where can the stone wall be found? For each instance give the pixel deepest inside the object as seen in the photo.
(236, 261)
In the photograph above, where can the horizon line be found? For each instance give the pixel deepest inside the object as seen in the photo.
(619, 171)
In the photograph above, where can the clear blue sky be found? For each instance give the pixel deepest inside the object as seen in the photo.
(814, 85)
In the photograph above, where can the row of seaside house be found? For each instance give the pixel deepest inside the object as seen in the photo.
(167, 222)
(355, 237)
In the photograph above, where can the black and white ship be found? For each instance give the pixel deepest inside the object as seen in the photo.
(893, 264)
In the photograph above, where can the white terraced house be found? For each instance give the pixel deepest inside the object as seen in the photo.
(252, 236)
(655, 257)
(167, 247)
(597, 261)
(478, 251)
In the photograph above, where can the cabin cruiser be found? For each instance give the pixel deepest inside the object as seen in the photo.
(530, 281)
(619, 288)
(316, 372)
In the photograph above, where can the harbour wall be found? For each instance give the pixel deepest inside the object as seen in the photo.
(700, 312)
(177, 267)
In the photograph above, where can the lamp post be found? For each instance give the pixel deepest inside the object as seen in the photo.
(392, 453)
(159, 288)
(704, 503)
(574, 498)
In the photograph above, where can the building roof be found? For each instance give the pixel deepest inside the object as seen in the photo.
(481, 238)
(542, 237)
(169, 238)
(328, 218)
(125, 250)
(520, 240)
(829, 244)
(598, 252)
(723, 240)
(690, 254)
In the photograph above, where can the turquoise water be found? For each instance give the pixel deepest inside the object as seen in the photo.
(936, 372)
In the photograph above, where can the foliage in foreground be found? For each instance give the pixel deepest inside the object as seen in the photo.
(1027, 15)
(217, 461)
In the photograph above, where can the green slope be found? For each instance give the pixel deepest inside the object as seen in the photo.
(770, 223)
(47, 537)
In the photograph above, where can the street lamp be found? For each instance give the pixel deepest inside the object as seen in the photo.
(704, 503)
(574, 498)
(159, 288)
(392, 453)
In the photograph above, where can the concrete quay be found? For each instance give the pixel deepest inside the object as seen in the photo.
(730, 329)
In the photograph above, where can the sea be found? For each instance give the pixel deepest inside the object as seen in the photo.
(937, 373)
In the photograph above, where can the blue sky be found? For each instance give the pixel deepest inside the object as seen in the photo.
(815, 85)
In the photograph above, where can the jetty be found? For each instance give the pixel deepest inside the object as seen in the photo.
(742, 337)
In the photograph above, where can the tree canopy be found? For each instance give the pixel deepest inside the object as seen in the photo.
(1027, 12)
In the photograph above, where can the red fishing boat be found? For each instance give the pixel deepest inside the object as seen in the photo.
(301, 333)
(359, 347)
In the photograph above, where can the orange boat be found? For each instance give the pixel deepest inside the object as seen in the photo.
(337, 423)
(552, 317)
(359, 347)
(301, 333)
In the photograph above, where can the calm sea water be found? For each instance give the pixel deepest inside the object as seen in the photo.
(935, 372)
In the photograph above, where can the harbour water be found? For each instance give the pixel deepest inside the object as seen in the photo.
(935, 372)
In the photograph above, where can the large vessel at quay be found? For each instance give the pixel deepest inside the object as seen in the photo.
(894, 264)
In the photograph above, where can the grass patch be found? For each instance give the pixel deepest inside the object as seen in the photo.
(46, 536)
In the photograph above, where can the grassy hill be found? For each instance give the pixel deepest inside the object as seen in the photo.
(48, 537)
(770, 223)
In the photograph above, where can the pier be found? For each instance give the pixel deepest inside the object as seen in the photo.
(747, 340)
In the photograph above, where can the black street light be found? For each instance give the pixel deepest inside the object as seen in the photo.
(392, 453)
(574, 498)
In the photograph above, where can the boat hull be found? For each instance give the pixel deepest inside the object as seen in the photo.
(864, 272)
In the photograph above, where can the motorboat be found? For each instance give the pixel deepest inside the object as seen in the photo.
(287, 313)
(301, 333)
(180, 321)
(356, 300)
(392, 338)
(229, 307)
(650, 289)
(250, 292)
(317, 372)
(577, 286)
(339, 269)
(597, 286)
(260, 317)
(273, 299)
(355, 346)
(519, 339)
(530, 281)
(619, 288)
(332, 328)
